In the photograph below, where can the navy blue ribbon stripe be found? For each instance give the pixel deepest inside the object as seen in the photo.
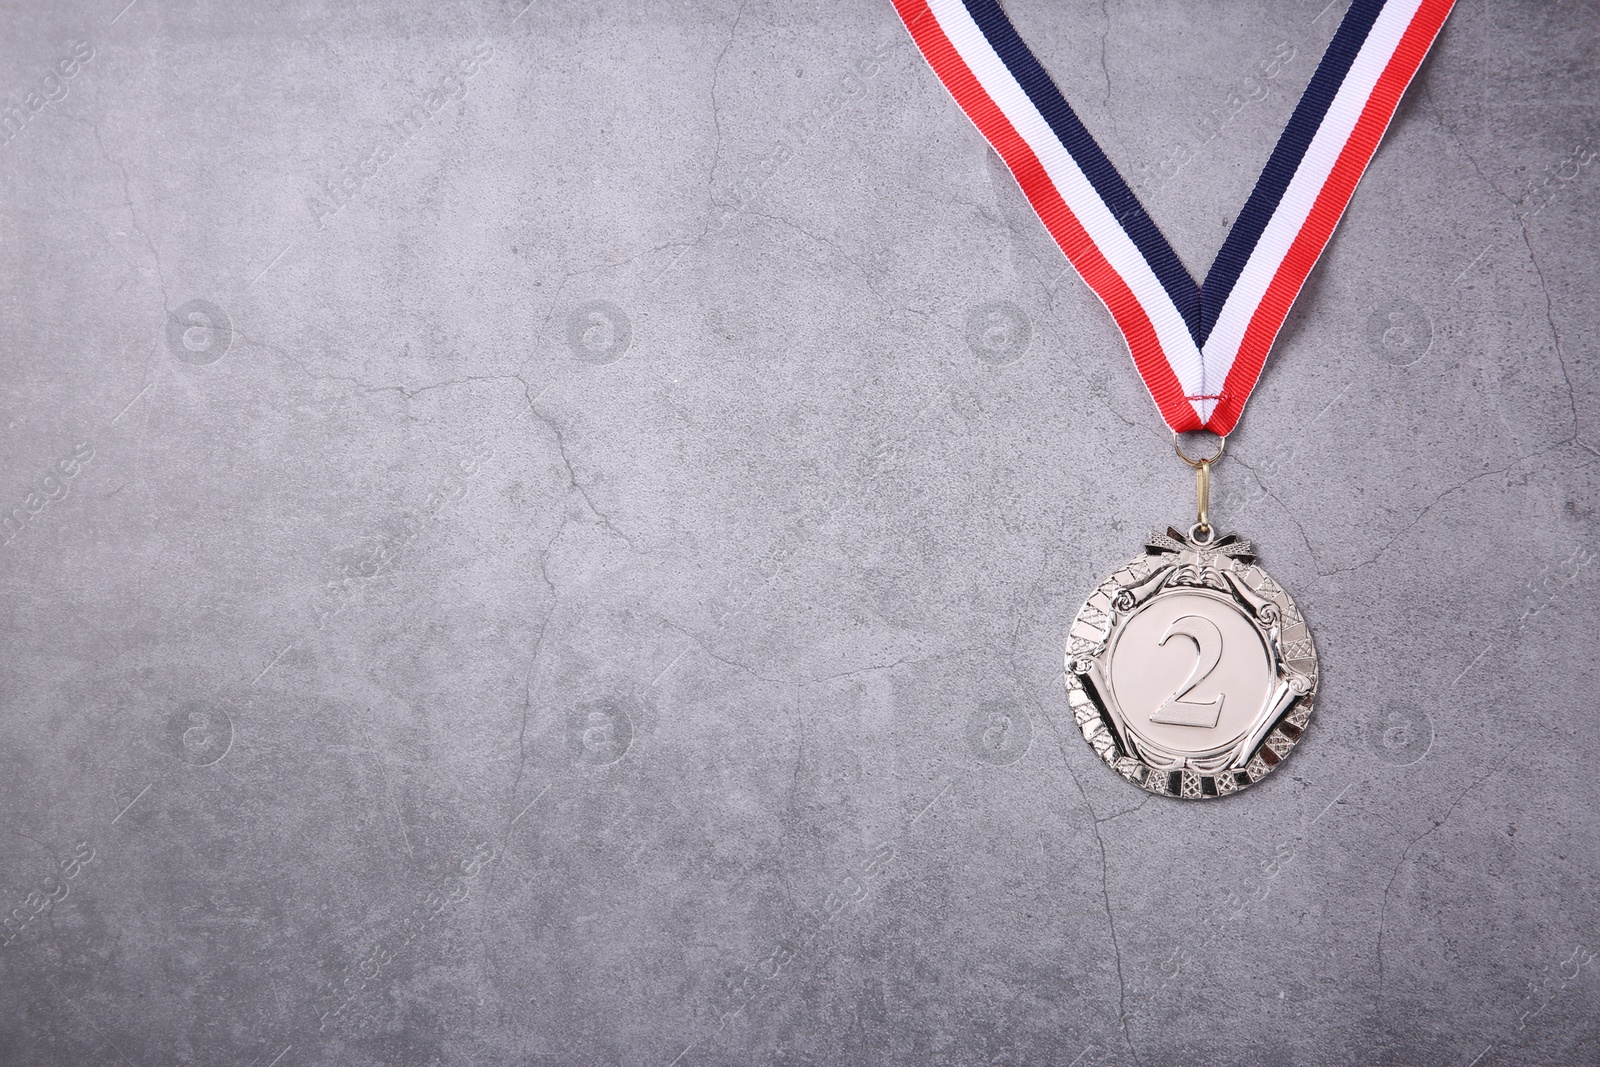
(1064, 122)
(1284, 161)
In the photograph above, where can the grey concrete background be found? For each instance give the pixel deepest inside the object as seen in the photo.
(581, 578)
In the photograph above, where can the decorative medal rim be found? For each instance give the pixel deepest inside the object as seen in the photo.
(1173, 562)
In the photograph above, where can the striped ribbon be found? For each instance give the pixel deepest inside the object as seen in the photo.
(1199, 347)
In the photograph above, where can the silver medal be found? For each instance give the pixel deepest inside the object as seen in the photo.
(1190, 671)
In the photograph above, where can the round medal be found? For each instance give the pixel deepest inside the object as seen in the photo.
(1190, 671)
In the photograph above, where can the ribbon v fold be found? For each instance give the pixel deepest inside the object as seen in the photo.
(1200, 347)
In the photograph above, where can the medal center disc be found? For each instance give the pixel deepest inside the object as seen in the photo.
(1190, 673)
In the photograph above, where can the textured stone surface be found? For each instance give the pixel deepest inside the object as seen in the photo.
(600, 600)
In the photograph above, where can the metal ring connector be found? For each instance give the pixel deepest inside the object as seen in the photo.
(1222, 446)
(1202, 488)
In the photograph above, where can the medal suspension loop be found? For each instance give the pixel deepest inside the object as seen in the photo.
(1202, 531)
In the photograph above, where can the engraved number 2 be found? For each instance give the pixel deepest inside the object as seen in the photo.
(1207, 639)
